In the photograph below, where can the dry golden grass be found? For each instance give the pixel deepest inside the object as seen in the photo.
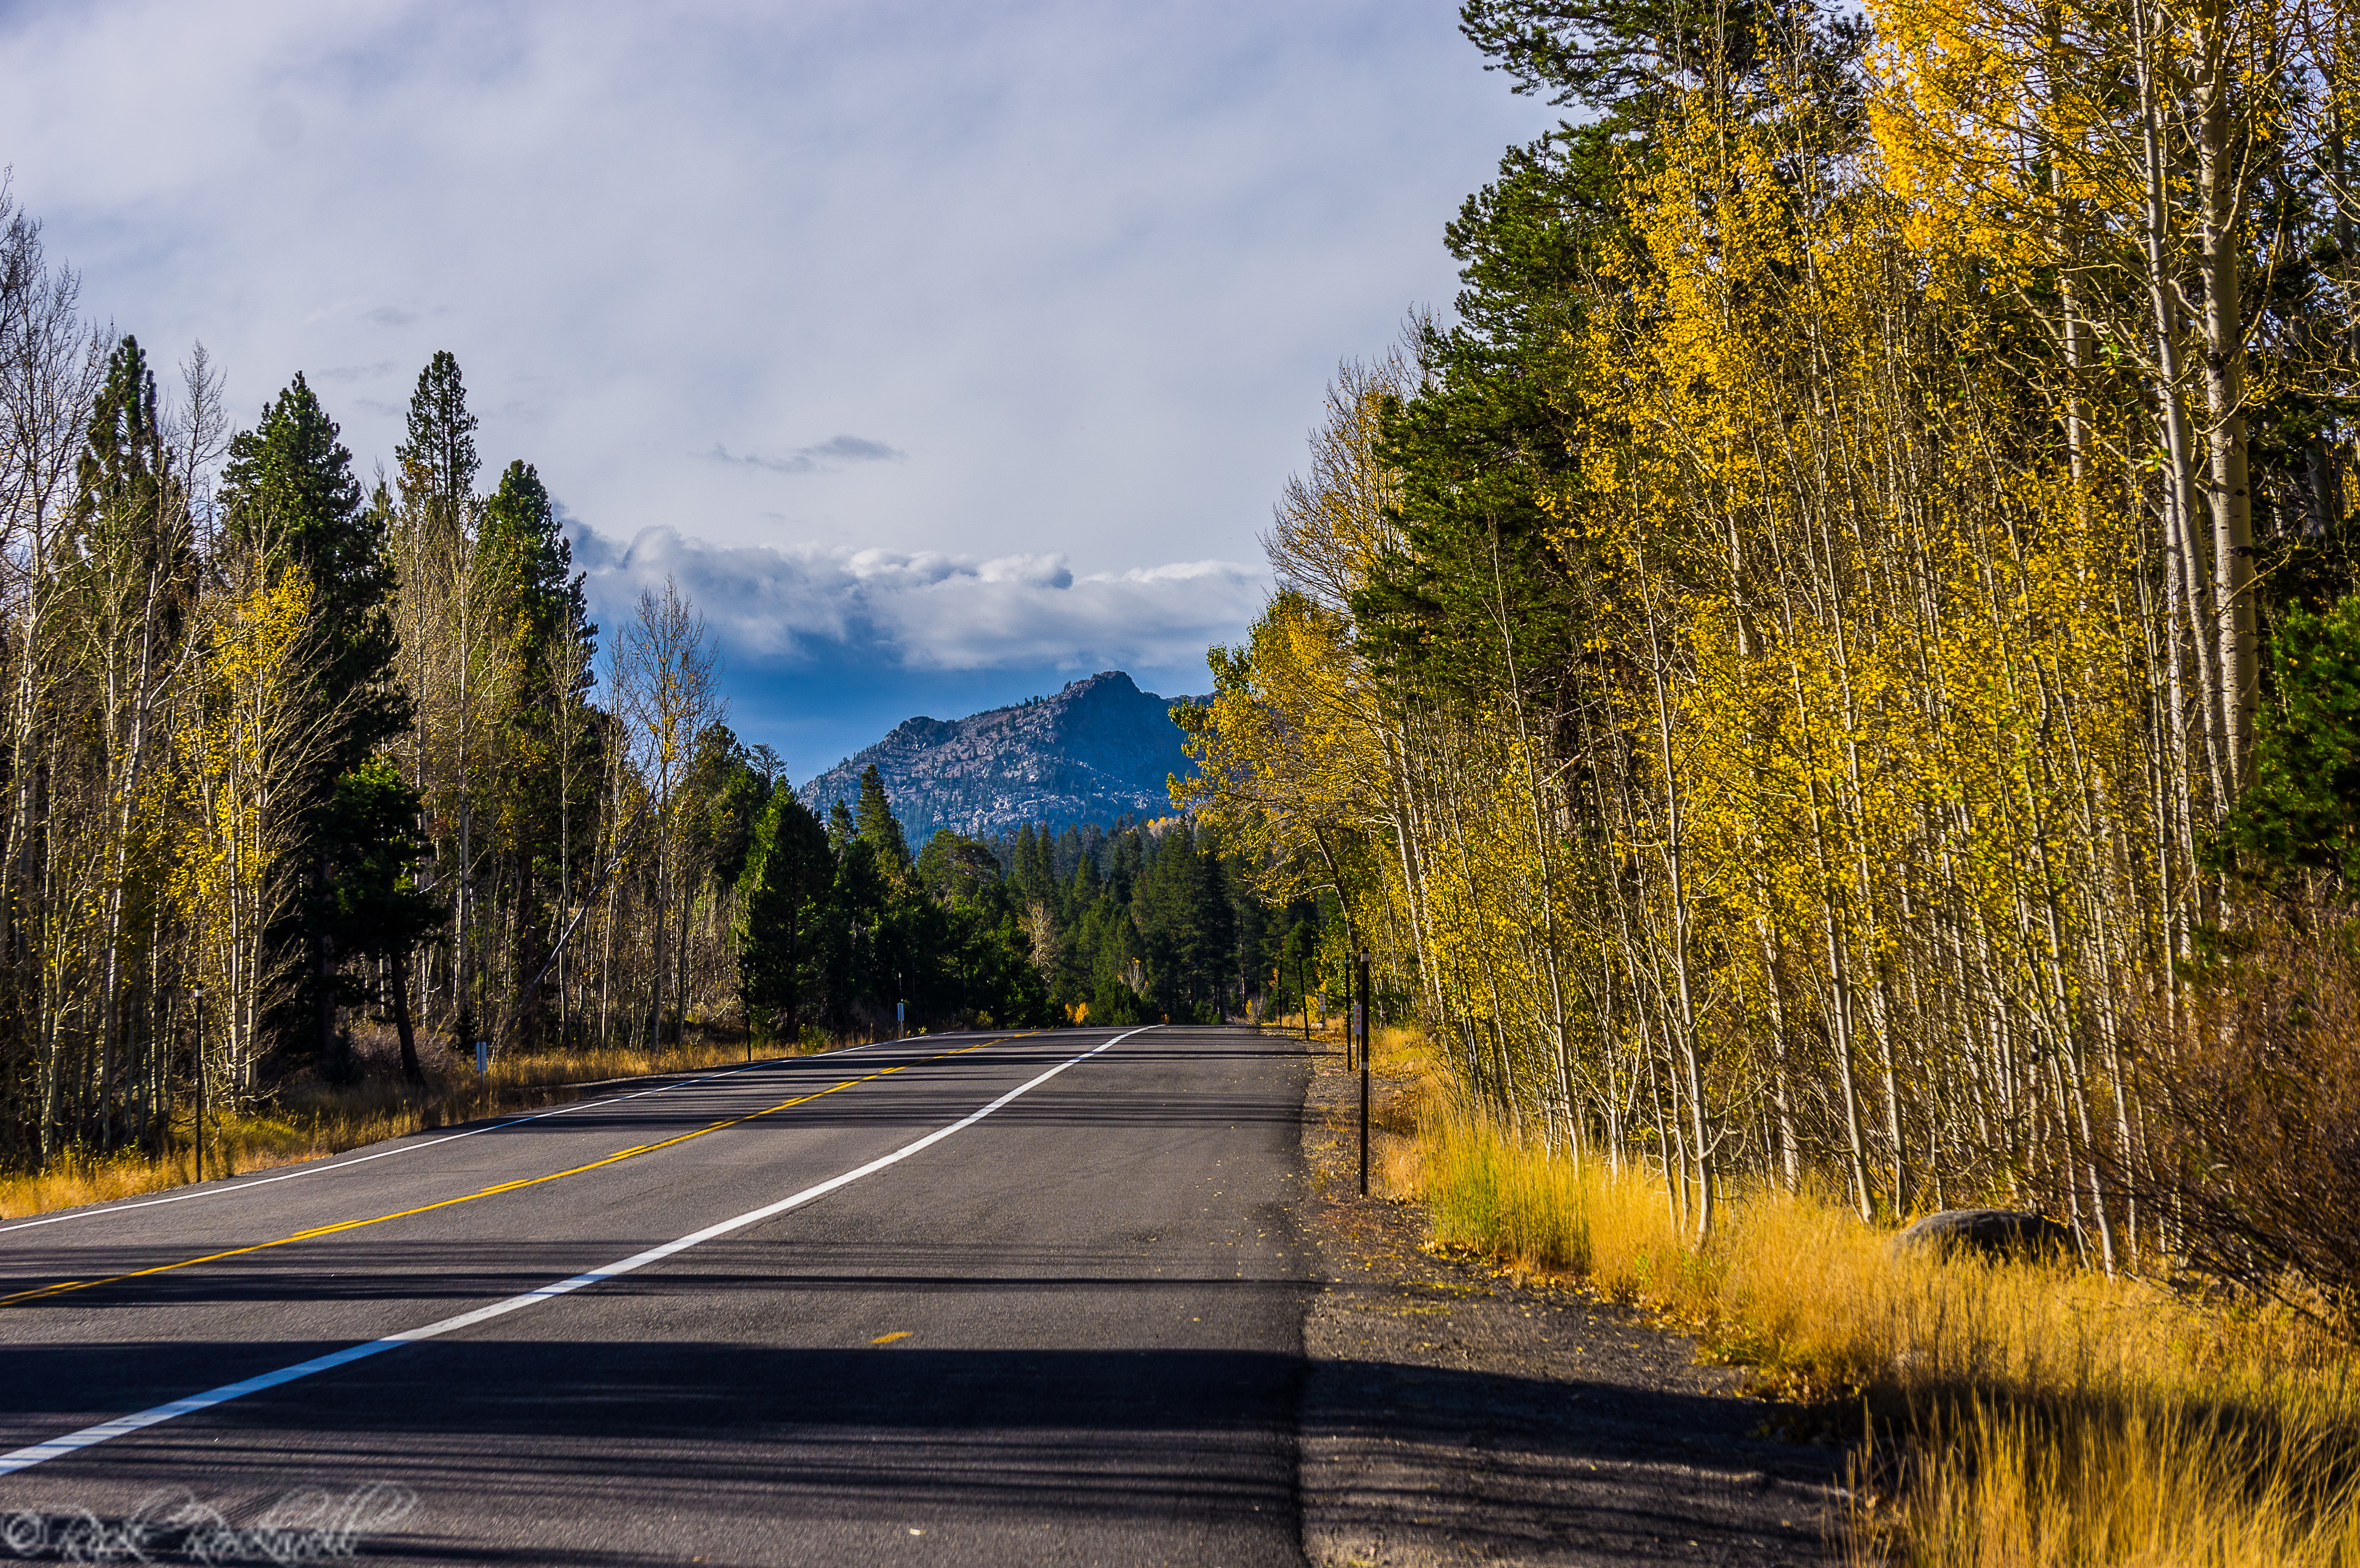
(1406, 1093)
(2153, 1483)
(2032, 1415)
(310, 1120)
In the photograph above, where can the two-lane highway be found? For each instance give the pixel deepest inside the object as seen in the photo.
(965, 1298)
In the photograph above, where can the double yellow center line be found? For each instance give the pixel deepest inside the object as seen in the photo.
(62, 1286)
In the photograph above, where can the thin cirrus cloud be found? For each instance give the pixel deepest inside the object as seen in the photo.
(828, 455)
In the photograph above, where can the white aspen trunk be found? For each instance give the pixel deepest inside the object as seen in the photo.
(463, 902)
(2183, 548)
(679, 989)
(2068, 281)
(1840, 1021)
(1536, 798)
(2220, 264)
(1790, 1169)
(1675, 863)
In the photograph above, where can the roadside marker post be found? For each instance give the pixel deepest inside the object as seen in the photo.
(1364, 1074)
(198, 993)
(483, 1057)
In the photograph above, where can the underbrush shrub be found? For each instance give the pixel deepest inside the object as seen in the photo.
(2259, 1153)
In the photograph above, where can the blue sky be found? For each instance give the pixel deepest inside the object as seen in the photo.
(942, 353)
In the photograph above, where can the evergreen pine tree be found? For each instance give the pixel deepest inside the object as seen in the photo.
(438, 460)
(289, 498)
(527, 556)
(121, 472)
(1082, 891)
(877, 826)
(444, 605)
(2302, 811)
(1020, 857)
(126, 547)
(782, 956)
(533, 600)
(1035, 870)
(377, 909)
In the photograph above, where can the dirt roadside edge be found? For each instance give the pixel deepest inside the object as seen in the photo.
(1450, 1415)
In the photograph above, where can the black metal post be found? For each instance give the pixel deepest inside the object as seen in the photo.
(1364, 1075)
(200, 995)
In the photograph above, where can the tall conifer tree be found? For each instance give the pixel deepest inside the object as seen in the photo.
(877, 826)
(289, 499)
(782, 956)
(531, 601)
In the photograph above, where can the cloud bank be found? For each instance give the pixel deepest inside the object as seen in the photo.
(927, 611)
(1089, 266)
(1032, 292)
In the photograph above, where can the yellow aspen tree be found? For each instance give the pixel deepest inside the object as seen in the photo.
(250, 736)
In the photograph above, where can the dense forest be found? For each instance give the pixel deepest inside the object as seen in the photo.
(838, 921)
(298, 761)
(1837, 667)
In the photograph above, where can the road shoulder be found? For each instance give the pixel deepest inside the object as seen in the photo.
(1449, 1414)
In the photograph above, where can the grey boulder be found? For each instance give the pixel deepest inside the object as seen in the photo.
(1989, 1232)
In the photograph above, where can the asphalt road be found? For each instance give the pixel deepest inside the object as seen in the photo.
(1066, 1331)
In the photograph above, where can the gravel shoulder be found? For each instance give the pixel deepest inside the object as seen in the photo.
(1450, 1415)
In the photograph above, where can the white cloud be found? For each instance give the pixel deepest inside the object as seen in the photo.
(926, 610)
(1089, 265)
(1030, 292)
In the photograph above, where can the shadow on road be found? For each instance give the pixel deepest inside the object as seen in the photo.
(578, 1443)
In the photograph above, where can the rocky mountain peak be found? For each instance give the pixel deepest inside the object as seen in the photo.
(1090, 753)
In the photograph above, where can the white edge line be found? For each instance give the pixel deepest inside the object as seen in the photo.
(123, 1426)
(320, 1168)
